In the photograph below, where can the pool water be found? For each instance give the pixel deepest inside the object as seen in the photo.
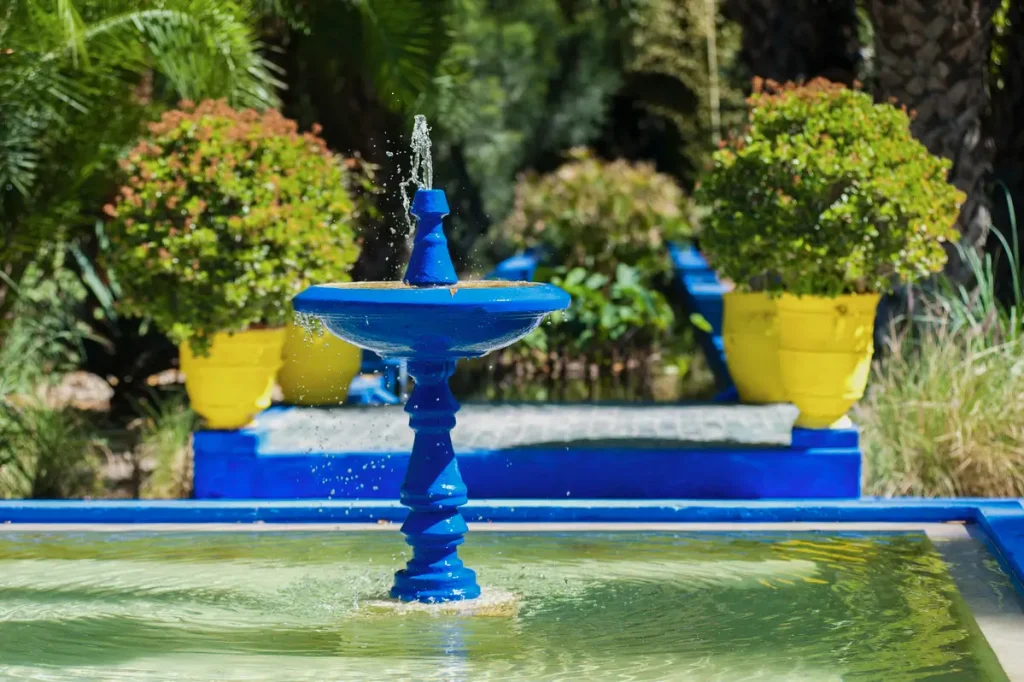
(277, 605)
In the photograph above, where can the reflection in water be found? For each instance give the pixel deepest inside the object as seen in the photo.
(595, 606)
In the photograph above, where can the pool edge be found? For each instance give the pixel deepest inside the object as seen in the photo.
(1002, 520)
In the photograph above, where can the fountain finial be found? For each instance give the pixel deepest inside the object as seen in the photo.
(430, 264)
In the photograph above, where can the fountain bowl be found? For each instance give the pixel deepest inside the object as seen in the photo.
(465, 320)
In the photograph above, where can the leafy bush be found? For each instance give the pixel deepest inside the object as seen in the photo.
(606, 225)
(826, 193)
(45, 336)
(225, 216)
(78, 80)
(605, 312)
(595, 214)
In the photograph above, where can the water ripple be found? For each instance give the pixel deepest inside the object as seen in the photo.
(595, 606)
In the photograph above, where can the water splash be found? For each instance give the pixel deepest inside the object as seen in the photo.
(311, 326)
(421, 175)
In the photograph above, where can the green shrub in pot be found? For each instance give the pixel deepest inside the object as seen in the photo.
(826, 193)
(224, 216)
(825, 202)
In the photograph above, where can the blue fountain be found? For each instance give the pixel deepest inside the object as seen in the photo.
(432, 320)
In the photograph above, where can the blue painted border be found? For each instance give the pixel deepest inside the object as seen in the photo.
(702, 293)
(1001, 520)
(1001, 514)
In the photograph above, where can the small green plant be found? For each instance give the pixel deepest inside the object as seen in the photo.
(225, 216)
(595, 214)
(826, 193)
(46, 452)
(605, 312)
(165, 435)
(45, 337)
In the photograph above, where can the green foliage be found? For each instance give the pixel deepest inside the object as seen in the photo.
(1002, 32)
(942, 415)
(46, 452)
(522, 82)
(165, 434)
(827, 193)
(394, 45)
(519, 81)
(78, 79)
(606, 312)
(225, 216)
(667, 69)
(606, 225)
(46, 336)
(596, 214)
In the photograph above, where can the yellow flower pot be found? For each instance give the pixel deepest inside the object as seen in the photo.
(825, 349)
(317, 369)
(751, 347)
(235, 381)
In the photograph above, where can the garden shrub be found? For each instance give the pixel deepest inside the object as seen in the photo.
(605, 226)
(826, 193)
(226, 215)
(596, 214)
(606, 312)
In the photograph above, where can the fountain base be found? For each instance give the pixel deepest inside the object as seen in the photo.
(492, 602)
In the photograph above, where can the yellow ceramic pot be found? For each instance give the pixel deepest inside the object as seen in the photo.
(317, 369)
(751, 347)
(825, 349)
(234, 382)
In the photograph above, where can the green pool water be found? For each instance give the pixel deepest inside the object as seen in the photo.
(594, 606)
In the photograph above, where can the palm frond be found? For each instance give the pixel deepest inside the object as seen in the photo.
(74, 31)
(403, 41)
(203, 49)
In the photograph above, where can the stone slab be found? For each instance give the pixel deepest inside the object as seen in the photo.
(502, 427)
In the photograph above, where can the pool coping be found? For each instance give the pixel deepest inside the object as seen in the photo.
(1001, 520)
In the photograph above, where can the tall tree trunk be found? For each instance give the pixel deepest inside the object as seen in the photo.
(797, 40)
(933, 57)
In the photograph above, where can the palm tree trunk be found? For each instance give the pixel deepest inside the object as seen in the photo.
(933, 57)
(797, 40)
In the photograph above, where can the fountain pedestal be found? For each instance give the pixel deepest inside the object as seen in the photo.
(433, 491)
(432, 320)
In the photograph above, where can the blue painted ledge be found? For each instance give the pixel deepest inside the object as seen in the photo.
(702, 293)
(819, 464)
(991, 514)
